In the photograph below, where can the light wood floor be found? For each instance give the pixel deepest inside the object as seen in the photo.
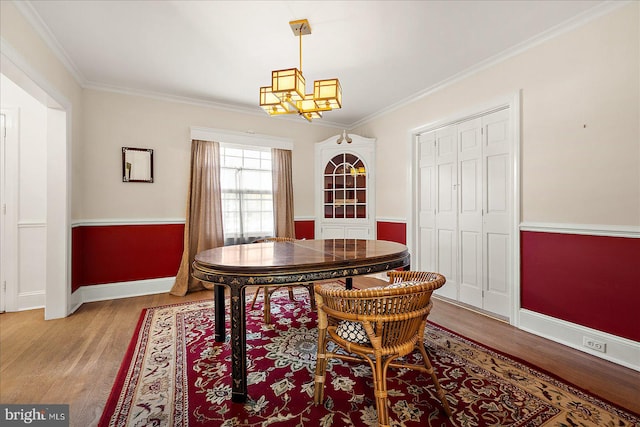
(75, 360)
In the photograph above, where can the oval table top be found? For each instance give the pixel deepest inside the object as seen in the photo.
(313, 259)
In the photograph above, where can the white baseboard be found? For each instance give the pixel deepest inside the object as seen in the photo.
(74, 301)
(31, 300)
(619, 350)
(121, 290)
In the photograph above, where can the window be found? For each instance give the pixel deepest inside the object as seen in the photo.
(247, 194)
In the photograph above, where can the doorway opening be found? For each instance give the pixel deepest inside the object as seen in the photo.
(36, 230)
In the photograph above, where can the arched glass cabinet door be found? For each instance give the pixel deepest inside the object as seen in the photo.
(345, 187)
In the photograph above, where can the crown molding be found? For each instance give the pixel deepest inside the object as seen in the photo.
(198, 102)
(34, 19)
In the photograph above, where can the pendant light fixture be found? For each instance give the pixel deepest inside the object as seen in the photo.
(287, 93)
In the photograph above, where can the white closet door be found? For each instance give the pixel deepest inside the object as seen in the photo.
(465, 193)
(427, 201)
(497, 212)
(446, 215)
(470, 211)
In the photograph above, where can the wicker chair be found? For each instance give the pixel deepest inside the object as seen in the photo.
(391, 322)
(268, 290)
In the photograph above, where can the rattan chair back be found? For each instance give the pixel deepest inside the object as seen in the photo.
(394, 319)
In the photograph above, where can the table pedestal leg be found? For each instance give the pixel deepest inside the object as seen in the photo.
(218, 293)
(238, 345)
(348, 283)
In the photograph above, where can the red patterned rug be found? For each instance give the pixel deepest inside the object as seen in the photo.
(175, 374)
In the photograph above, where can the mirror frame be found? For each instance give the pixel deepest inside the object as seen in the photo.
(126, 172)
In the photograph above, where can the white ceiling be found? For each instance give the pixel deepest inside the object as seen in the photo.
(221, 52)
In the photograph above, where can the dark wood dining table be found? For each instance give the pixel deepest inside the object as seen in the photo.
(282, 264)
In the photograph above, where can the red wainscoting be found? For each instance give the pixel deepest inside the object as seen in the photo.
(123, 253)
(126, 253)
(305, 229)
(592, 281)
(392, 231)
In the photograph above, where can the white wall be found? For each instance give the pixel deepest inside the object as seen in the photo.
(29, 291)
(580, 124)
(115, 120)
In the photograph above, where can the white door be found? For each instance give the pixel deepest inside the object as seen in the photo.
(427, 201)
(498, 194)
(470, 211)
(437, 154)
(9, 210)
(446, 209)
(464, 210)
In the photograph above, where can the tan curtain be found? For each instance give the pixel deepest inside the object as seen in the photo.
(203, 227)
(282, 193)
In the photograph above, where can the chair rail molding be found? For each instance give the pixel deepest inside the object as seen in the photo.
(632, 231)
(125, 221)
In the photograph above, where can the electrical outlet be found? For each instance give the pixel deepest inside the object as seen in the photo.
(594, 344)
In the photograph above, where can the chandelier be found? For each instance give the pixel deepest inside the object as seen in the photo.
(287, 93)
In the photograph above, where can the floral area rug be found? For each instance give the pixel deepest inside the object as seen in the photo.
(175, 374)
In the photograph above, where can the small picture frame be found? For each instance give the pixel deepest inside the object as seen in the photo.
(137, 164)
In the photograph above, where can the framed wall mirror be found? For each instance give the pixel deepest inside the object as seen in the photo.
(137, 164)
